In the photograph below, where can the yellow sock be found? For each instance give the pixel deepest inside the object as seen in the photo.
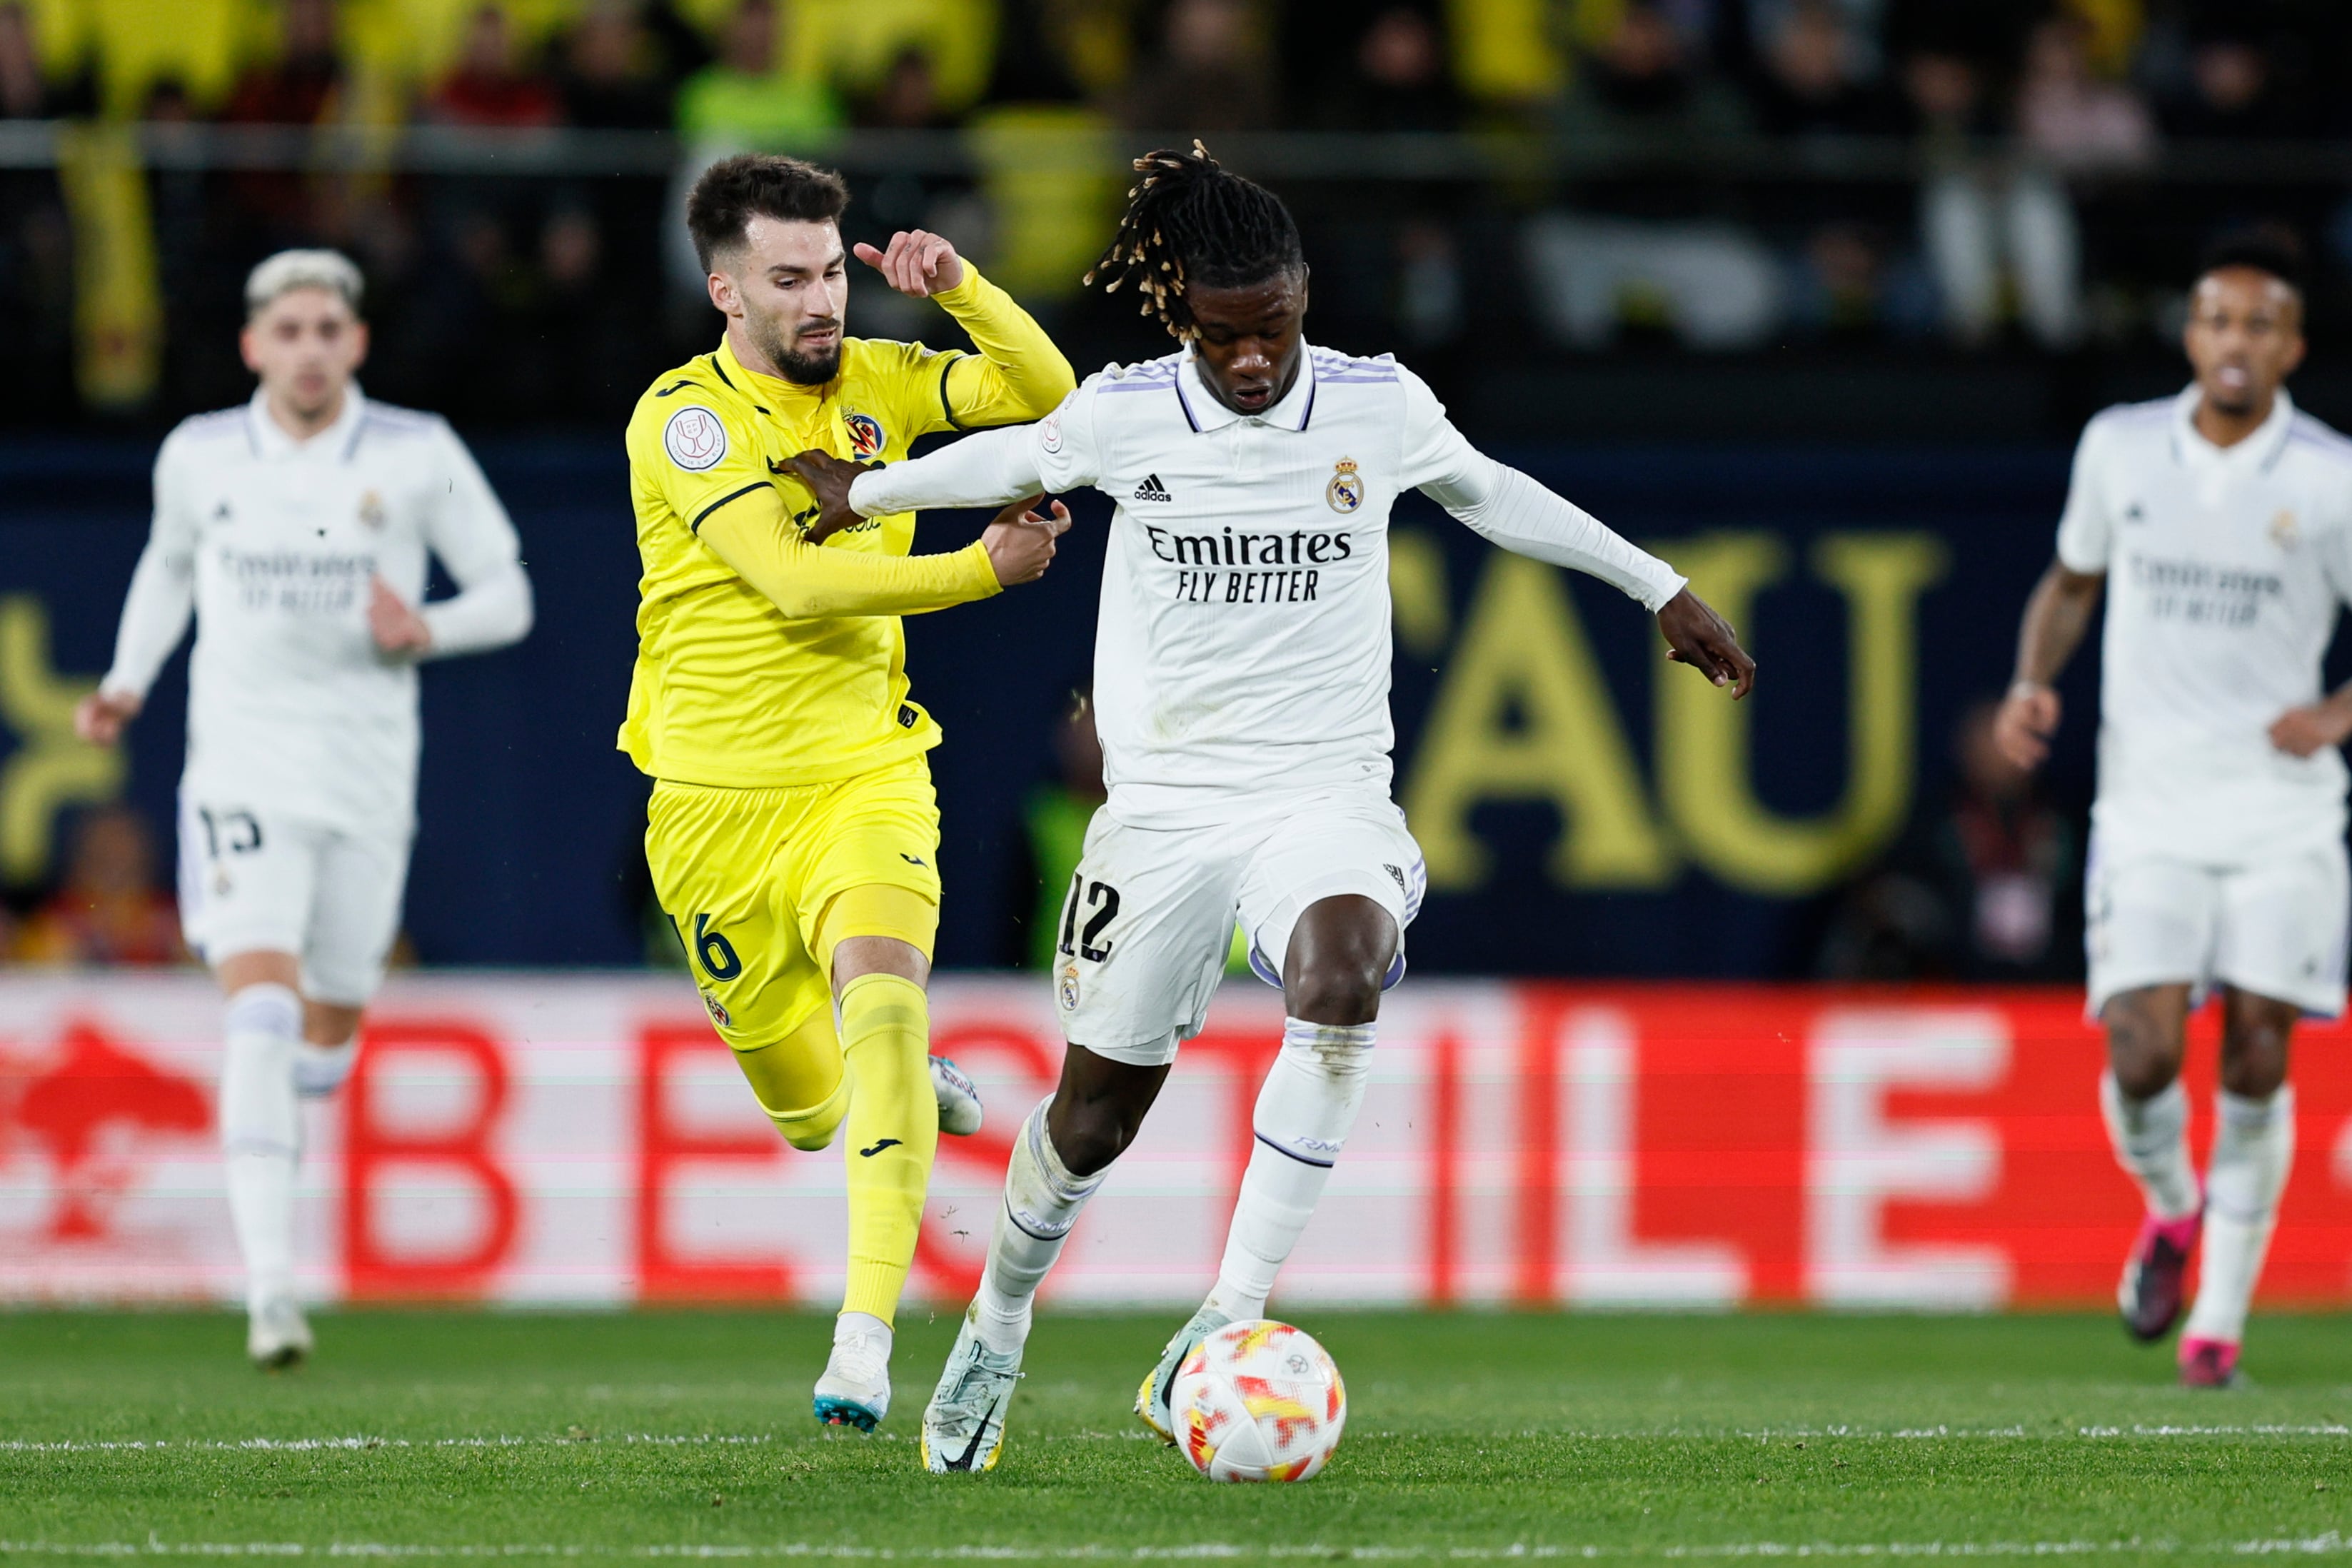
(894, 1128)
(800, 1083)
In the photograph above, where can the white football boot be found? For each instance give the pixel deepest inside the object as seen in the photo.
(1151, 1399)
(856, 1388)
(963, 1426)
(959, 1098)
(276, 1334)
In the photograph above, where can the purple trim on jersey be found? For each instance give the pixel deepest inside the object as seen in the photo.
(1185, 403)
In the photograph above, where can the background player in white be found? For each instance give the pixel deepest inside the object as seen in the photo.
(297, 528)
(1241, 685)
(2219, 526)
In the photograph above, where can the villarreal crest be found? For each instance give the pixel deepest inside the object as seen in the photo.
(865, 437)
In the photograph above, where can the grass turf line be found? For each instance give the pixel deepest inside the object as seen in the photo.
(655, 1435)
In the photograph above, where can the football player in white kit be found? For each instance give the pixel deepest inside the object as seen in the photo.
(296, 530)
(2217, 525)
(1241, 684)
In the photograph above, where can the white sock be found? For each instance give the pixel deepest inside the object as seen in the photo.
(319, 1070)
(261, 1133)
(2151, 1142)
(1041, 1200)
(1305, 1110)
(2254, 1146)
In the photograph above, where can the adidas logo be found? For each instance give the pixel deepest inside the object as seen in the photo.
(1152, 490)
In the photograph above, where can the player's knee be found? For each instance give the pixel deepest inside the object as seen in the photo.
(1340, 953)
(2143, 1045)
(2254, 1035)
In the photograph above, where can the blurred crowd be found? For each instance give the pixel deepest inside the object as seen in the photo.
(2027, 207)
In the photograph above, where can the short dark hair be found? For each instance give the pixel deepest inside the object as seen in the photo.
(1191, 221)
(2270, 247)
(734, 191)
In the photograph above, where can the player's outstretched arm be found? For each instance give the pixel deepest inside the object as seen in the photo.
(2057, 614)
(806, 581)
(155, 615)
(990, 468)
(1697, 636)
(1019, 375)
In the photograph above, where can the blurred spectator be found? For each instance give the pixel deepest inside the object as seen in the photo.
(2070, 118)
(1641, 66)
(1395, 79)
(303, 84)
(743, 99)
(907, 99)
(490, 88)
(1818, 70)
(611, 78)
(1983, 886)
(1985, 214)
(2233, 87)
(1212, 73)
(36, 280)
(109, 909)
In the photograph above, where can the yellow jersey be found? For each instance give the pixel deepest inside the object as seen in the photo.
(763, 661)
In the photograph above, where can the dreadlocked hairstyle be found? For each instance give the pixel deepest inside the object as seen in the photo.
(1189, 222)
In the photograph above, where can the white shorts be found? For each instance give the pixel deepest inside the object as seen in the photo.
(2275, 927)
(1150, 916)
(257, 882)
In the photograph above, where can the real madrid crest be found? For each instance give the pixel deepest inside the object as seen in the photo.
(2284, 533)
(371, 510)
(1069, 989)
(1346, 491)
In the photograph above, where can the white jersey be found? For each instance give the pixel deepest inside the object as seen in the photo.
(274, 544)
(2224, 568)
(1242, 656)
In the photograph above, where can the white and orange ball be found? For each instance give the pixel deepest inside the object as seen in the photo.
(1258, 1401)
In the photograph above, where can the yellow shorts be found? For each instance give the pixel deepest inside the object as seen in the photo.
(749, 876)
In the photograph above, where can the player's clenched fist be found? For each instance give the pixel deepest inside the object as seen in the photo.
(1021, 541)
(2028, 718)
(919, 263)
(99, 718)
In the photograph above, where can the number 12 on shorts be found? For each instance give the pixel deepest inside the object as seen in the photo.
(1101, 898)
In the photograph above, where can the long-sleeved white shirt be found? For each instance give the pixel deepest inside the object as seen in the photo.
(1242, 648)
(271, 543)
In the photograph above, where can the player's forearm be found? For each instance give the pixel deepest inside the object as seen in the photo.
(1019, 373)
(989, 469)
(1511, 510)
(491, 613)
(806, 581)
(155, 615)
(2057, 614)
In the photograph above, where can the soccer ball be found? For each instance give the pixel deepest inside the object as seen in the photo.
(1258, 1401)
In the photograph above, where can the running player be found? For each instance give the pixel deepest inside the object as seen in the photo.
(2219, 525)
(1241, 683)
(792, 833)
(296, 528)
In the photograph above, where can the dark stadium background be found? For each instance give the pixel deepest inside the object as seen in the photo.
(512, 206)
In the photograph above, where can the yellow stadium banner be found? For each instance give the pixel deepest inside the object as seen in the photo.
(118, 295)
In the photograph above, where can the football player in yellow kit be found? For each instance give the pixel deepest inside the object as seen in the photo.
(793, 832)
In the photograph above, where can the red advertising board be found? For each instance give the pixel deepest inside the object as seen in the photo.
(566, 1139)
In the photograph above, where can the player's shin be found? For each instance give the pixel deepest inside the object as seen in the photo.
(1304, 1113)
(2151, 1142)
(2254, 1146)
(1042, 1202)
(894, 1130)
(260, 1126)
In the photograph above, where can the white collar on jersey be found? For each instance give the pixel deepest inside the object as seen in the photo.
(1289, 412)
(270, 440)
(2260, 450)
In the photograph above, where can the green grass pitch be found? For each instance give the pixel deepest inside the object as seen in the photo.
(687, 1435)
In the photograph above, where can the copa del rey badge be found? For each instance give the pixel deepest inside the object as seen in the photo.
(1346, 490)
(694, 439)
